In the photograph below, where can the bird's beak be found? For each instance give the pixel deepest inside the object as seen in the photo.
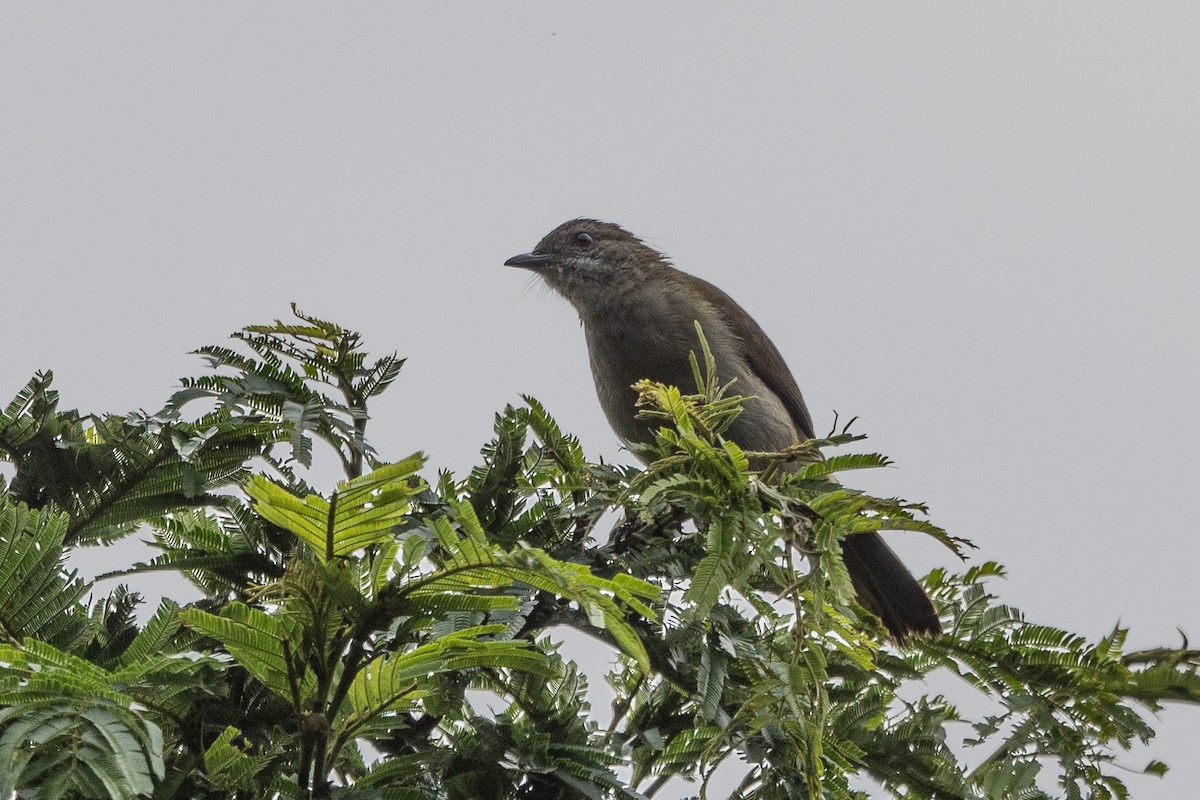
(529, 260)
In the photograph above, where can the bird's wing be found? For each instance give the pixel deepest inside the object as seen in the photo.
(761, 355)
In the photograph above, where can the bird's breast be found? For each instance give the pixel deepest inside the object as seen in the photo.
(626, 348)
(637, 343)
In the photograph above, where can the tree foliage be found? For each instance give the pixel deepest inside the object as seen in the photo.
(397, 636)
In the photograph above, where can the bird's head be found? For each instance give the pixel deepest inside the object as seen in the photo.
(591, 263)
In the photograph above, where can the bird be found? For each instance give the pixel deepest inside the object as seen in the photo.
(639, 315)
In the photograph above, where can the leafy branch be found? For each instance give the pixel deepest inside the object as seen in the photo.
(382, 611)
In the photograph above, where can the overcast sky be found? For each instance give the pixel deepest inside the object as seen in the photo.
(977, 228)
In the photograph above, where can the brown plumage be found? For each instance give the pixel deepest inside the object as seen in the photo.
(639, 314)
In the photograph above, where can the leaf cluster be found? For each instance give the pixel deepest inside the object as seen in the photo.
(398, 636)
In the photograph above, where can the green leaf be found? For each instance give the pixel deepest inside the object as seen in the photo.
(37, 599)
(64, 728)
(707, 583)
(255, 638)
(64, 749)
(399, 679)
(228, 763)
(153, 638)
(361, 513)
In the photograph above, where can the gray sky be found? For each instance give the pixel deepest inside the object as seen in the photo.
(974, 227)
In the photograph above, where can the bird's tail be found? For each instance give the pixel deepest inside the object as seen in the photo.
(886, 588)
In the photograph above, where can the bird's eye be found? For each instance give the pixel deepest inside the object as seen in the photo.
(583, 240)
